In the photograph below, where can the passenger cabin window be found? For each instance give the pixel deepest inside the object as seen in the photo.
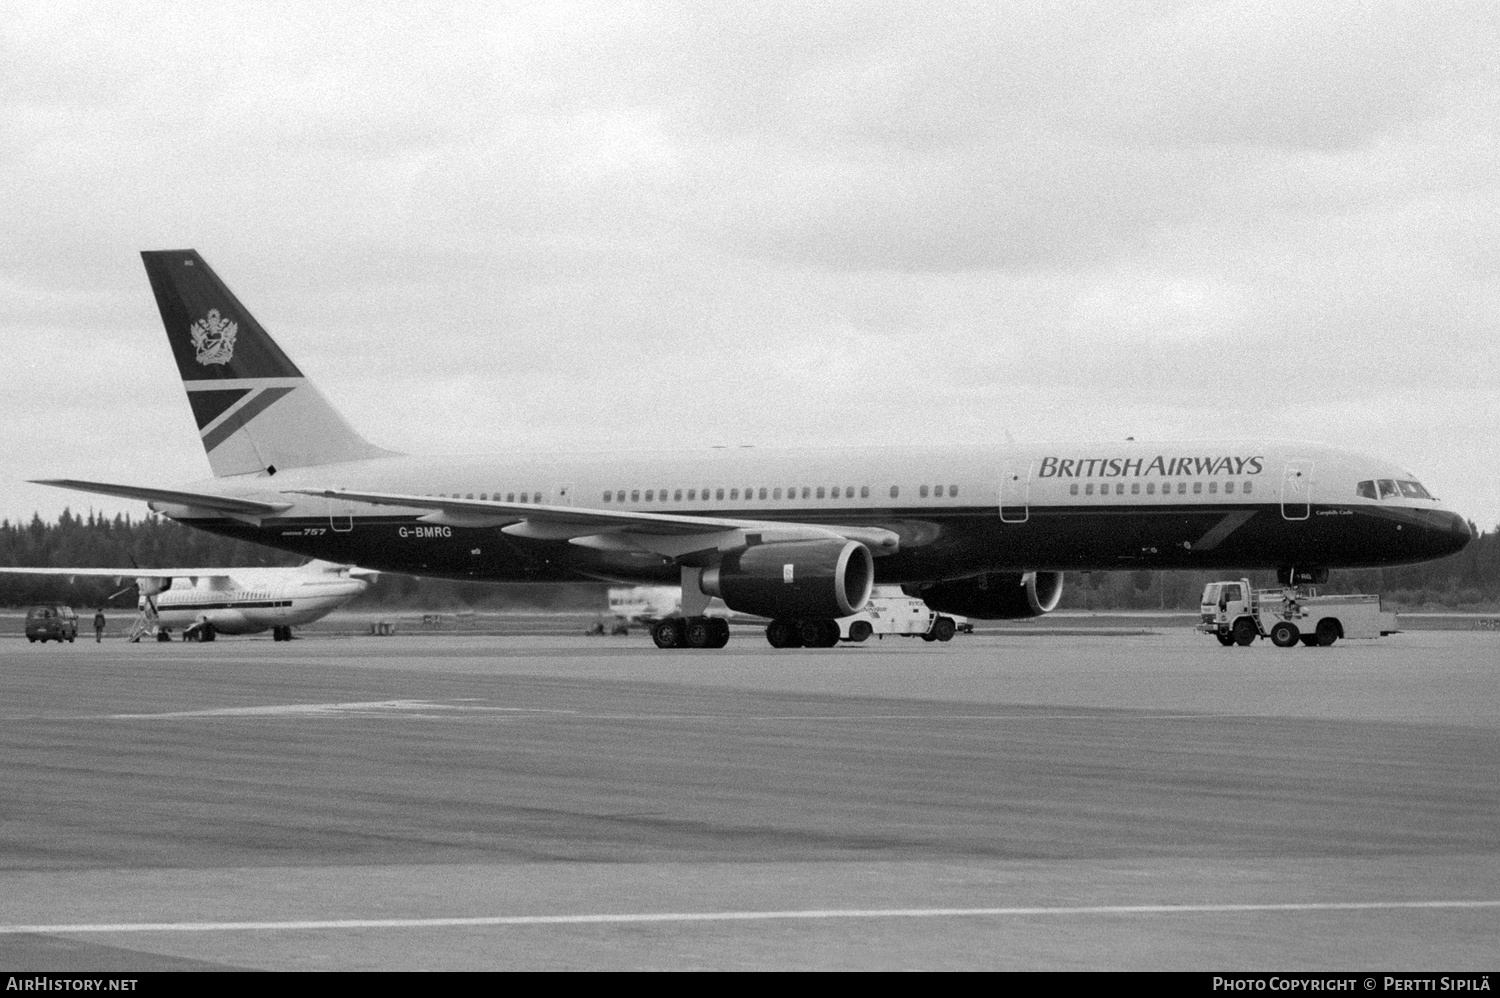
(635, 495)
(718, 493)
(606, 495)
(1197, 488)
(895, 491)
(1228, 488)
(1088, 489)
(1135, 488)
(1246, 489)
(1213, 488)
(775, 493)
(510, 497)
(1182, 488)
(864, 492)
(762, 493)
(820, 491)
(1150, 488)
(922, 492)
(952, 491)
(1073, 489)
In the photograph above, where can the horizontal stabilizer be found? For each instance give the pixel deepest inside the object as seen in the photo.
(202, 500)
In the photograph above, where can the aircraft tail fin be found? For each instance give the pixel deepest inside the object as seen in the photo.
(255, 411)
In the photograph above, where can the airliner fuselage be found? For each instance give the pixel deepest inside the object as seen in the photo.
(956, 511)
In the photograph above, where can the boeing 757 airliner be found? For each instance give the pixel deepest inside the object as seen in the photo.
(799, 535)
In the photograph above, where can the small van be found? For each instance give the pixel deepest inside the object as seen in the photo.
(58, 623)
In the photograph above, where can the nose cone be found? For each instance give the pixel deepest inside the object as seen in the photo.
(1451, 533)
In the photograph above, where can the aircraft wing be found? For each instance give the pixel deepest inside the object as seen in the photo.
(203, 500)
(670, 534)
(119, 574)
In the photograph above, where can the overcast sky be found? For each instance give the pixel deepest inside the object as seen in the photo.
(582, 225)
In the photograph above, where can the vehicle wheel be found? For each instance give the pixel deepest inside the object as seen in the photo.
(783, 633)
(32, 640)
(1244, 632)
(1284, 634)
(1224, 639)
(860, 630)
(720, 628)
(1327, 632)
(667, 633)
(208, 633)
(70, 639)
(163, 635)
(943, 628)
(1309, 640)
(699, 633)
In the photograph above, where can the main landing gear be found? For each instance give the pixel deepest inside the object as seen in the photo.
(283, 633)
(786, 633)
(691, 632)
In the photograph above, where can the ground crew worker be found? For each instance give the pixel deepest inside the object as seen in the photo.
(99, 625)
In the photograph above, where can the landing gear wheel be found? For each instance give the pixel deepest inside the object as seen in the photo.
(943, 629)
(1225, 639)
(782, 633)
(1284, 634)
(699, 633)
(1327, 633)
(667, 633)
(163, 634)
(1244, 632)
(720, 629)
(860, 630)
(820, 633)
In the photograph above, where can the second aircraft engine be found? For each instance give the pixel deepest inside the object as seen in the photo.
(996, 596)
(798, 579)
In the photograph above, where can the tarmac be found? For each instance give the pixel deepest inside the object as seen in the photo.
(1134, 799)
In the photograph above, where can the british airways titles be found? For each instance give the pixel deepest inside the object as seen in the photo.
(1137, 467)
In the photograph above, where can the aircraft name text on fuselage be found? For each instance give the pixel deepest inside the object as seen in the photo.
(1137, 467)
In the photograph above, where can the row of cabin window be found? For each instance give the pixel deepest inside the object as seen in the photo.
(808, 492)
(509, 496)
(1166, 488)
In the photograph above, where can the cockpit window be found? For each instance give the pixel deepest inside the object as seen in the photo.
(1413, 490)
(1366, 489)
(1387, 488)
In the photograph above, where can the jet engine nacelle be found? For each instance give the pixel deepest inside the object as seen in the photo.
(798, 579)
(997, 595)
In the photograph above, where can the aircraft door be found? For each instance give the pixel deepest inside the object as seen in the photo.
(340, 515)
(1015, 490)
(1296, 489)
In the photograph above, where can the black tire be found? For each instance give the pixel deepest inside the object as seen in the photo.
(1327, 632)
(811, 632)
(943, 628)
(699, 633)
(1284, 634)
(720, 630)
(860, 630)
(667, 633)
(1309, 640)
(1244, 632)
(1227, 640)
(783, 633)
(70, 638)
(32, 640)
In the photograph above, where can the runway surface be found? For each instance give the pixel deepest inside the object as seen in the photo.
(1148, 801)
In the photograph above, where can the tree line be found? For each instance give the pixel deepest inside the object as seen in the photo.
(1469, 580)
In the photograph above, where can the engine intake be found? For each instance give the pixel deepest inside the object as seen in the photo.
(794, 579)
(997, 595)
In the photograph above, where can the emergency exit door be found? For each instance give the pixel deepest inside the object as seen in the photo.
(1015, 490)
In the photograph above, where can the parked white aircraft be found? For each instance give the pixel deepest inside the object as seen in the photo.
(229, 600)
(799, 536)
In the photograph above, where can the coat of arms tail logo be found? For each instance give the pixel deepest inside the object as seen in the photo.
(213, 338)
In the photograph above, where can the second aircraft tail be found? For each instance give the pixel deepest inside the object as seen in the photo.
(255, 410)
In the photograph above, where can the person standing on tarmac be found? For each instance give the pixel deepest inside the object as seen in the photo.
(99, 625)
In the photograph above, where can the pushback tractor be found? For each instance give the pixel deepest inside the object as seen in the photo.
(1236, 614)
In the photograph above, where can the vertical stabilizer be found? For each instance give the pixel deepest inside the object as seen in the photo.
(255, 410)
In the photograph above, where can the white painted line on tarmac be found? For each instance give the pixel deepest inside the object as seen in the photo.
(737, 916)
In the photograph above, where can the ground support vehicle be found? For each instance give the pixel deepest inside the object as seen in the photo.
(51, 623)
(890, 611)
(1236, 614)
